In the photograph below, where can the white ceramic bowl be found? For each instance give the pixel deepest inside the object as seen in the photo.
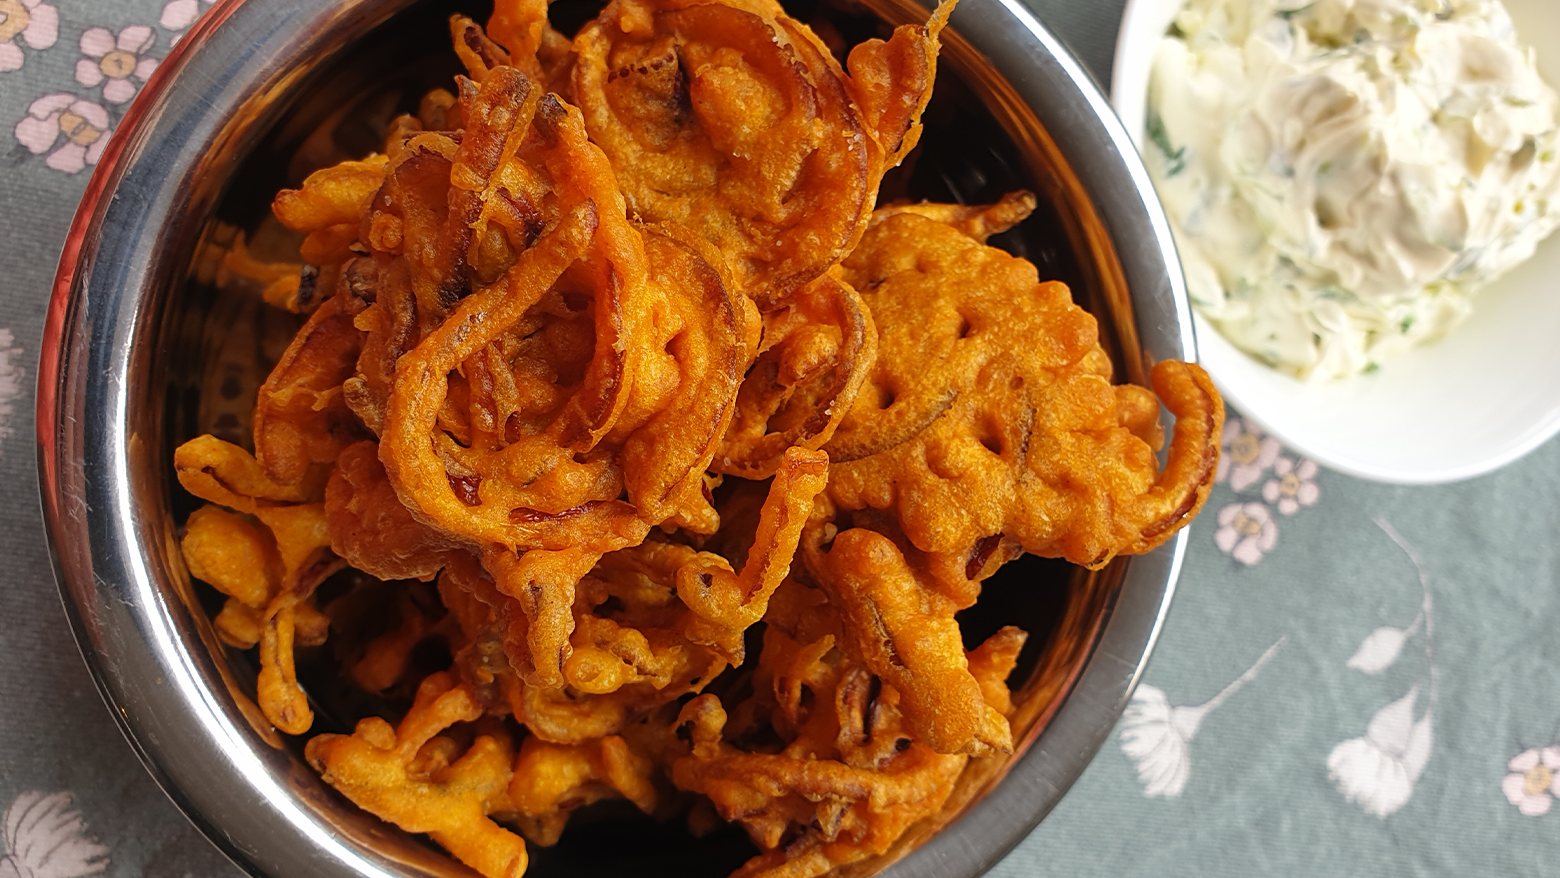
(1474, 401)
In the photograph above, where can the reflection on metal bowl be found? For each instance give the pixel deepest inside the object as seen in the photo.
(242, 107)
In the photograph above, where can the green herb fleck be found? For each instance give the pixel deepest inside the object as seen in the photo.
(1372, 367)
(1407, 324)
(1175, 159)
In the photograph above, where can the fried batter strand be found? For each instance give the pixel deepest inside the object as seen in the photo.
(328, 207)
(725, 604)
(268, 559)
(905, 633)
(815, 354)
(851, 779)
(552, 780)
(301, 418)
(408, 776)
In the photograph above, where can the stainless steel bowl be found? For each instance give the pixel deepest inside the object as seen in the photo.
(123, 336)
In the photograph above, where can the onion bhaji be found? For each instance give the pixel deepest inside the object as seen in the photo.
(605, 359)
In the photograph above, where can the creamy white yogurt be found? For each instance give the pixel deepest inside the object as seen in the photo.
(1343, 175)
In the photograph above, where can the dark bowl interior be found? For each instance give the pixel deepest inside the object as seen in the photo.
(221, 342)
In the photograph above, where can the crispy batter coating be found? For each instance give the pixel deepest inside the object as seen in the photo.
(227, 475)
(540, 51)
(815, 354)
(905, 633)
(850, 780)
(269, 562)
(552, 780)
(233, 553)
(978, 221)
(407, 776)
(724, 603)
(717, 121)
(891, 84)
(635, 587)
(371, 529)
(328, 206)
(646, 623)
(994, 414)
(699, 326)
(301, 418)
(732, 119)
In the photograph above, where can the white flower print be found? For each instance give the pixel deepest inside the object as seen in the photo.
(1247, 454)
(117, 62)
(46, 838)
(1534, 780)
(11, 378)
(1295, 486)
(83, 124)
(1379, 770)
(1380, 649)
(33, 22)
(1246, 532)
(1157, 737)
(178, 15)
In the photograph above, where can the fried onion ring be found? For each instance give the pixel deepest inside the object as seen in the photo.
(301, 418)
(816, 353)
(718, 118)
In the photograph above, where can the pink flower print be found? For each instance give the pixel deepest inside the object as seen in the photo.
(1247, 454)
(1246, 531)
(1295, 486)
(117, 60)
(1534, 780)
(35, 22)
(178, 15)
(83, 124)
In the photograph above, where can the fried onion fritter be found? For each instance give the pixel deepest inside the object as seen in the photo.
(605, 337)
(407, 776)
(990, 412)
(734, 120)
(851, 779)
(268, 561)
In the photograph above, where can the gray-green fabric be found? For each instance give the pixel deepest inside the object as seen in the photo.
(1258, 798)
(1278, 731)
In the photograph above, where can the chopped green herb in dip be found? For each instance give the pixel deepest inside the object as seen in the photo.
(1343, 175)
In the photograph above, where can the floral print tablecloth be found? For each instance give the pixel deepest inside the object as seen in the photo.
(1355, 679)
